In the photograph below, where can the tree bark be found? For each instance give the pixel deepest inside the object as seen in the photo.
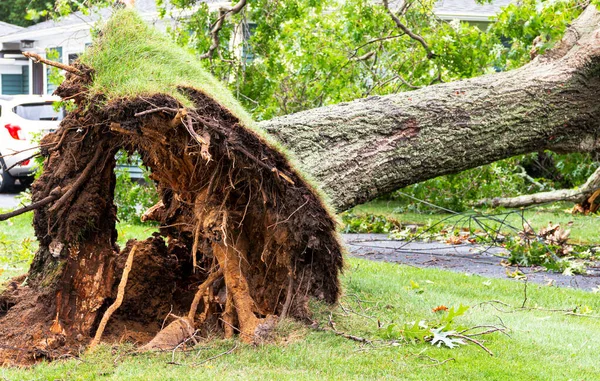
(360, 150)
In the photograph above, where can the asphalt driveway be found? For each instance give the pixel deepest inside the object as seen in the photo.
(8, 201)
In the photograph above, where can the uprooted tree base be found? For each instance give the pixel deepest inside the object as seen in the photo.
(243, 237)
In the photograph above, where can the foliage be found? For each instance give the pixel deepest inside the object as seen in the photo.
(549, 247)
(29, 12)
(457, 192)
(131, 197)
(368, 223)
(439, 331)
(531, 25)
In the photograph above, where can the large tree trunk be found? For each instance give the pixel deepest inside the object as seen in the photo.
(363, 149)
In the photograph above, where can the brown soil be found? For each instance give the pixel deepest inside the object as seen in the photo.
(232, 210)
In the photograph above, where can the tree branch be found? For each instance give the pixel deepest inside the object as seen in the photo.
(53, 196)
(578, 195)
(218, 25)
(37, 58)
(410, 33)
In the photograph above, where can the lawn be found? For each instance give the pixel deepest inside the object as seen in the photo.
(543, 345)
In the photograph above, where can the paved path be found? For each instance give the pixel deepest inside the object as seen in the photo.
(471, 259)
(8, 201)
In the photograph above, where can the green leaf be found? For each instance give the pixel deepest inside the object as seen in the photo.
(445, 337)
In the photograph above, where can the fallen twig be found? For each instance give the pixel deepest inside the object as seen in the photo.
(436, 361)
(474, 341)
(219, 355)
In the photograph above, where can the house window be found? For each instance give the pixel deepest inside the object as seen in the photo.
(14, 84)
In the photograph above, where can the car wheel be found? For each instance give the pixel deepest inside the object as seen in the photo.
(7, 182)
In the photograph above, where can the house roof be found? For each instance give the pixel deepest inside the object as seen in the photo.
(468, 10)
(6, 28)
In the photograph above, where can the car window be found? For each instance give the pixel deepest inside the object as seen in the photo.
(39, 111)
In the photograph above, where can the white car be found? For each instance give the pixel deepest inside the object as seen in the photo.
(23, 120)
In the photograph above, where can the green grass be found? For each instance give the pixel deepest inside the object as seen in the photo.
(584, 229)
(542, 345)
(131, 58)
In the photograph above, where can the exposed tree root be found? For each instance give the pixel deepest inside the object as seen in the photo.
(235, 218)
(37, 58)
(171, 336)
(113, 307)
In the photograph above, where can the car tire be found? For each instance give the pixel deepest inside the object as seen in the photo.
(7, 182)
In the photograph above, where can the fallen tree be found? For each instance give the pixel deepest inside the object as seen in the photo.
(248, 237)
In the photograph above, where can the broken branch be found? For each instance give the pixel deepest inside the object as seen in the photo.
(37, 58)
(575, 195)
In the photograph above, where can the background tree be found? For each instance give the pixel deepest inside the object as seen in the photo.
(29, 12)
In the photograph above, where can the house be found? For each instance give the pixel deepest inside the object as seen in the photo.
(68, 37)
(469, 10)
